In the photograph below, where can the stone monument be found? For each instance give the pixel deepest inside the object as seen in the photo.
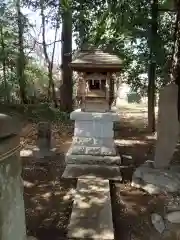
(93, 150)
(159, 175)
(44, 142)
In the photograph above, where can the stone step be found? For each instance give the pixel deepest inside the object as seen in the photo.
(89, 171)
(92, 150)
(92, 141)
(91, 216)
(93, 160)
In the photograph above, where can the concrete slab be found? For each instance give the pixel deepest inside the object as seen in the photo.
(86, 171)
(91, 216)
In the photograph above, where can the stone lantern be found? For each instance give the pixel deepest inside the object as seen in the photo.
(93, 145)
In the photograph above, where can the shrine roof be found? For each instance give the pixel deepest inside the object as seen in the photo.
(95, 59)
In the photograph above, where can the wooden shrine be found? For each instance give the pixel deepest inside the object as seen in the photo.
(95, 86)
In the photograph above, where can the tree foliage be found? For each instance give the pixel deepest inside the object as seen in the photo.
(122, 27)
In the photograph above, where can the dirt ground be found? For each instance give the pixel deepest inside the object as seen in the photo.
(48, 198)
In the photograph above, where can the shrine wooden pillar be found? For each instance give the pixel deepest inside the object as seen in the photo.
(107, 87)
(83, 103)
(111, 91)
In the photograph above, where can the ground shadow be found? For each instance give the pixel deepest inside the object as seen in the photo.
(48, 198)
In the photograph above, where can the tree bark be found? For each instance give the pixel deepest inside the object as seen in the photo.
(152, 66)
(66, 87)
(21, 56)
(7, 96)
(176, 57)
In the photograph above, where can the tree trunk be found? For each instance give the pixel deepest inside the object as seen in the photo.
(67, 84)
(82, 32)
(51, 86)
(49, 62)
(152, 66)
(21, 57)
(7, 96)
(176, 57)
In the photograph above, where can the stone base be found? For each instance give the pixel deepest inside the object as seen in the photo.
(91, 216)
(93, 152)
(96, 150)
(156, 181)
(92, 160)
(89, 171)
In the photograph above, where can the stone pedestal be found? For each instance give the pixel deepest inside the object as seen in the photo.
(93, 150)
(157, 181)
(12, 215)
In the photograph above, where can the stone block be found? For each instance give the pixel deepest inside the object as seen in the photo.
(86, 171)
(91, 216)
(93, 130)
(83, 141)
(44, 142)
(156, 181)
(44, 135)
(12, 215)
(90, 116)
(93, 150)
(93, 160)
(75, 149)
(104, 141)
(92, 141)
(108, 151)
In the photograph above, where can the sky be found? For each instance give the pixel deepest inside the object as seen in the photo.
(35, 19)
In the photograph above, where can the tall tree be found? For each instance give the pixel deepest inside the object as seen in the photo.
(3, 51)
(67, 84)
(176, 58)
(152, 65)
(21, 57)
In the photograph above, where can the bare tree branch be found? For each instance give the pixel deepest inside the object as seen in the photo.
(49, 44)
(34, 43)
(55, 36)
